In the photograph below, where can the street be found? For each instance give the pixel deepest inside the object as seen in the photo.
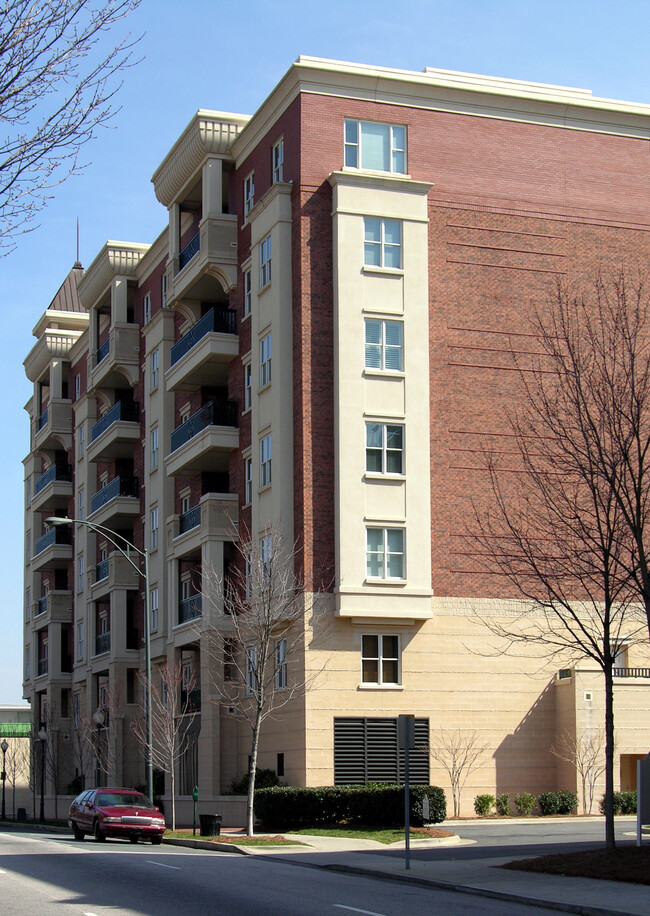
(48, 874)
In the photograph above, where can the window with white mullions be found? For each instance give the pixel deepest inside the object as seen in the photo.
(382, 242)
(384, 347)
(374, 146)
(380, 659)
(278, 161)
(281, 664)
(248, 292)
(265, 361)
(385, 553)
(249, 193)
(251, 669)
(265, 262)
(384, 448)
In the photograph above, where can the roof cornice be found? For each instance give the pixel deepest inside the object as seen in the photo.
(53, 344)
(116, 259)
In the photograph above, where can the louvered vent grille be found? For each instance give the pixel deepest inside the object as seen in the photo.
(365, 750)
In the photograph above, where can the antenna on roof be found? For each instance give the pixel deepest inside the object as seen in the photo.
(77, 263)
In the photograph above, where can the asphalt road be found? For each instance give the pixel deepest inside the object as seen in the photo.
(49, 875)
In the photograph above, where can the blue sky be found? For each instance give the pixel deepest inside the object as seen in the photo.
(228, 56)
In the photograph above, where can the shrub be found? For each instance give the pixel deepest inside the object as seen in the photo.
(524, 803)
(503, 805)
(483, 805)
(264, 779)
(560, 802)
(624, 802)
(292, 807)
(567, 802)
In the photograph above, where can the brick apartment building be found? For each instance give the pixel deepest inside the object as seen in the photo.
(318, 340)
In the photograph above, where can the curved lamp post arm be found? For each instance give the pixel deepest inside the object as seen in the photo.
(108, 533)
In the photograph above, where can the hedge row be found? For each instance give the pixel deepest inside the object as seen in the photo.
(624, 802)
(292, 807)
(560, 802)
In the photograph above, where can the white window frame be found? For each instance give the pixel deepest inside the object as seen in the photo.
(266, 552)
(265, 360)
(153, 609)
(80, 642)
(281, 682)
(81, 440)
(248, 475)
(384, 248)
(154, 448)
(384, 348)
(385, 552)
(251, 670)
(248, 386)
(353, 145)
(385, 451)
(266, 455)
(155, 366)
(249, 193)
(163, 290)
(380, 658)
(185, 503)
(265, 262)
(248, 291)
(81, 503)
(81, 569)
(277, 161)
(146, 308)
(77, 387)
(153, 537)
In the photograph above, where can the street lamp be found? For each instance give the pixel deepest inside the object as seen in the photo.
(124, 548)
(5, 748)
(42, 737)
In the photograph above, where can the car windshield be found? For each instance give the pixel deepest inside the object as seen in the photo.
(122, 800)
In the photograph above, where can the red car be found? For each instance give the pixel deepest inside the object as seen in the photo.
(117, 813)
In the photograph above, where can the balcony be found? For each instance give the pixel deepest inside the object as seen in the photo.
(205, 440)
(53, 550)
(190, 519)
(115, 364)
(54, 426)
(102, 643)
(216, 516)
(116, 433)
(42, 667)
(191, 700)
(631, 672)
(189, 608)
(211, 253)
(117, 502)
(54, 607)
(52, 487)
(115, 573)
(202, 355)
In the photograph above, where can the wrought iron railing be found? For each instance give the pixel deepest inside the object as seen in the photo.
(118, 486)
(191, 700)
(192, 248)
(190, 519)
(130, 412)
(102, 643)
(631, 672)
(42, 666)
(189, 608)
(61, 472)
(221, 320)
(103, 350)
(214, 413)
(101, 570)
(42, 420)
(53, 536)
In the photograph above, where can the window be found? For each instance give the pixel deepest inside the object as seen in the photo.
(385, 553)
(248, 574)
(146, 308)
(380, 659)
(384, 448)
(187, 678)
(154, 368)
(380, 147)
(249, 193)
(265, 461)
(384, 345)
(130, 685)
(278, 161)
(81, 503)
(266, 551)
(77, 387)
(248, 292)
(251, 669)
(28, 546)
(80, 572)
(153, 609)
(229, 668)
(248, 380)
(28, 667)
(154, 448)
(163, 290)
(154, 529)
(382, 242)
(28, 493)
(76, 709)
(185, 503)
(279, 766)
(80, 641)
(248, 463)
(281, 664)
(28, 602)
(81, 440)
(265, 262)
(265, 361)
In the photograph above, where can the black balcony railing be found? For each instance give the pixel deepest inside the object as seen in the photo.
(42, 420)
(130, 412)
(191, 700)
(41, 605)
(189, 251)
(102, 643)
(42, 666)
(189, 608)
(631, 672)
(190, 519)
(61, 472)
(118, 486)
(101, 570)
(214, 413)
(222, 321)
(51, 537)
(103, 350)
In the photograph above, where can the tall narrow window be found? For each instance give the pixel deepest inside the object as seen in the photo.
(278, 161)
(281, 664)
(146, 308)
(248, 384)
(249, 480)
(153, 609)
(265, 461)
(248, 292)
(384, 345)
(154, 448)
(80, 641)
(154, 368)
(81, 440)
(385, 553)
(28, 603)
(251, 669)
(265, 262)
(265, 361)
(81, 504)
(163, 291)
(77, 387)
(28, 667)
(375, 146)
(382, 242)
(249, 193)
(154, 528)
(80, 572)
(28, 546)
(266, 551)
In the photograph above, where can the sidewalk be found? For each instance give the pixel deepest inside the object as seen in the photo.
(476, 876)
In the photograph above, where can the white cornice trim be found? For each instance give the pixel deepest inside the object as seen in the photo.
(52, 345)
(380, 181)
(116, 259)
(209, 133)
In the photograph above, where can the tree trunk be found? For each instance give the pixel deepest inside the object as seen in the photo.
(610, 839)
(252, 768)
(172, 781)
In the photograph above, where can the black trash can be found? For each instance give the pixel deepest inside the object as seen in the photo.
(21, 814)
(210, 824)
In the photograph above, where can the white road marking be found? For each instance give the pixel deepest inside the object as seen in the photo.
(354, 909)
(160, 864)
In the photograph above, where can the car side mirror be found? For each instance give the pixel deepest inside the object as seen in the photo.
(89, 804)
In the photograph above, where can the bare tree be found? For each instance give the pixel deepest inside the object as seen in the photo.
(81, 745)
(259, 646)
(557, 528)
(584, 750)
(459, 753)
(58, 81)
(17, 766)
(101, 731)
(173, 709)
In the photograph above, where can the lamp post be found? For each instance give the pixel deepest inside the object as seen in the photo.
(124, 548)
(42, 737)
(5, 748)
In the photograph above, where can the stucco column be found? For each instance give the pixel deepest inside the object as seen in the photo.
(119, 300)
(212, 187)
(56, 379)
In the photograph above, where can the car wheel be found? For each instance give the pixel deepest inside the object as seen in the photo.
(97, 833)
(156, 840)
(133, 838)
(77, 832)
